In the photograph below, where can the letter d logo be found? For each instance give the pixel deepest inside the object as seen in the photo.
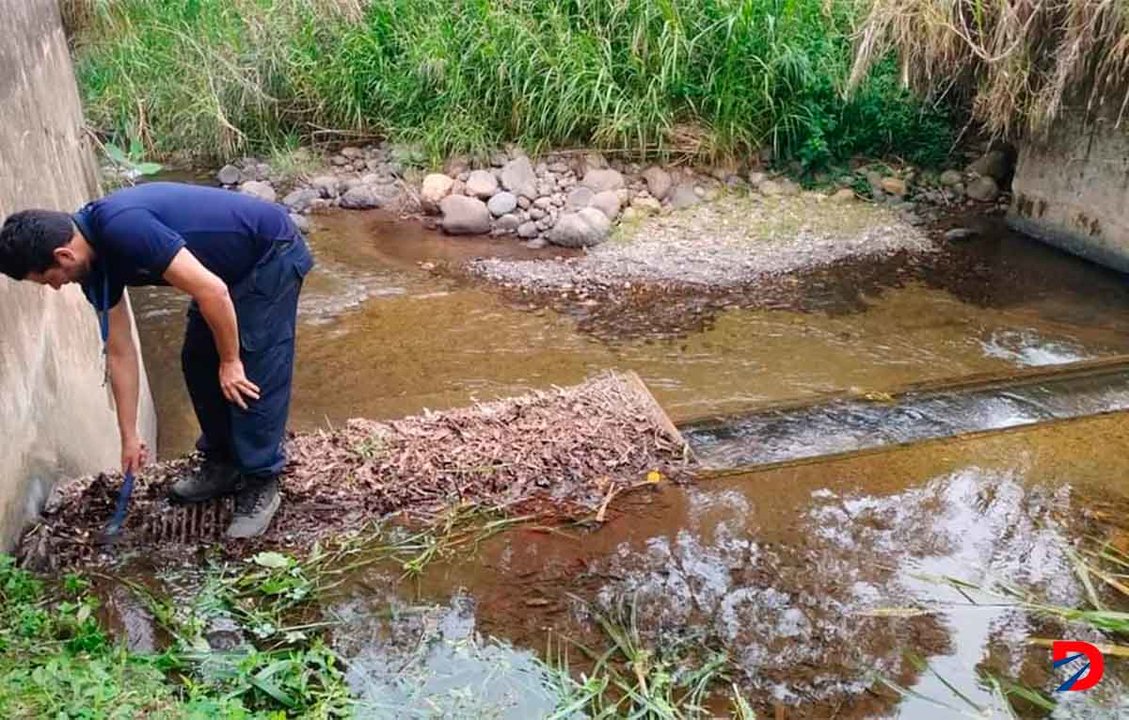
(1064, 652)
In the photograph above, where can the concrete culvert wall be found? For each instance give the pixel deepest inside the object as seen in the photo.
(56, 417)
(1072, 189)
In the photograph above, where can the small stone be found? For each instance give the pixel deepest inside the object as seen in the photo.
(464, 215)
(583, 228)
(524, 203)
(359, 165)
(699, 191)
(658, 181)
(608, 203)
(499, 158)
(558, 199)
(519, 178)
(502, 203)
(558, 167)
(769, 188)
(300, 200)
(601, 180)
(959, 234)
(339, 160)
(436, 186)
(373, 164)
(481, 184)
(327, 186)
(756, 178)
(631, 214)
(541, 169)
(580, 197)
(543, 202)
(537, 213)
(301, 222)
(361, 197)
(983, 189)
(789, 188)
(594, 161)
(229, 175)
(949, 178)
(395, 169)
(353, 153)
(536, 243)
(507, 224)
(894, 186)
(258, 189)
(527, 230)
(843, 195)
(684, 196)
(463, 176)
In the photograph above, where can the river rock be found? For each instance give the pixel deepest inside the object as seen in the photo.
(229, 175)
(464, 215)
(543, 202)
(949, 178)
(658, 181)
(481, 184)
(507, 223)
(300, 200)
(843, 195)
(537, 213)
(502, 203)
(959, 233)
(608, 203)
(584, 228)
(301, 222)
(600, 180)
(894, 186)
(352, 153)
(527, 230)
(684, 196)
(258, 189)
(523, 202)
(326, 185)
(993, 164)
(456, 165)
(983, 189)
(519, 178)
(580, 197)
(769, 188)
(361, 197)
(339, 160)
(536, 243)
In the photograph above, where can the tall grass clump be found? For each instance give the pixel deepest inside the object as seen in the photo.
(702, 78)
(1017, 61)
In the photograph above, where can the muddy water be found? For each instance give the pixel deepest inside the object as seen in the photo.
(819, 581)
(792, 572)
(384, 335)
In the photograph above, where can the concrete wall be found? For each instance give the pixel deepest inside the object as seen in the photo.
(56, 418)
(1073, 190)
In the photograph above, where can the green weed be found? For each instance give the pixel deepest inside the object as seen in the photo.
(700, 78)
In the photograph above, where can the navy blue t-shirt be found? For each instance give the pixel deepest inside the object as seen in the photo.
(136, 232)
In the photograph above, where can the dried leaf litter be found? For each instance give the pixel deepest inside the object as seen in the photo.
(561, 452)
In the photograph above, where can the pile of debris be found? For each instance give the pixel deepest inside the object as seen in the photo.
(562, 452)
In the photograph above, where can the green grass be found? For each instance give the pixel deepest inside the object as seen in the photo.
(706, 78)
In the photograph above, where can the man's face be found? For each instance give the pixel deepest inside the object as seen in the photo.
(68, 268)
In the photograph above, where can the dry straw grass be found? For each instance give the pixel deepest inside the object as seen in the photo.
(1020, 60)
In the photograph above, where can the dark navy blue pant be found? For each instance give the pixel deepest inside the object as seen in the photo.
(266, 306)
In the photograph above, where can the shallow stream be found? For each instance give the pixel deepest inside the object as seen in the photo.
(817, 579)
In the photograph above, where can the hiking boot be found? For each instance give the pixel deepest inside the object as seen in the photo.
(255, 505)
(212, 479)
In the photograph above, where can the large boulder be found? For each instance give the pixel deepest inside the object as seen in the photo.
(658, 181)
(259, 189)
(464, 215)
(600, 180)
(607, 202)
(984, 189)
(481, 184)
(361, 197)
(584, 228)
(328, 186)
(502, 203)
(519, 178)
(300, 200)
(994, 164)
(436, 186)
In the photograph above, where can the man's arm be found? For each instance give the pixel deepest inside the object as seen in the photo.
(121, 355)
(186, 273)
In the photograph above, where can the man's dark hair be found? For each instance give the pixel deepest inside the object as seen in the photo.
(28, 241)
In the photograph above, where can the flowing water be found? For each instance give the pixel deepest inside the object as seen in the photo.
(816, 578)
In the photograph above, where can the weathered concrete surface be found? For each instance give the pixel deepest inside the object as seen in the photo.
(56, 418)
(1073, 190)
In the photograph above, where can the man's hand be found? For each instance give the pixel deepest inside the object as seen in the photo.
(135, 454)
(235, 385)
